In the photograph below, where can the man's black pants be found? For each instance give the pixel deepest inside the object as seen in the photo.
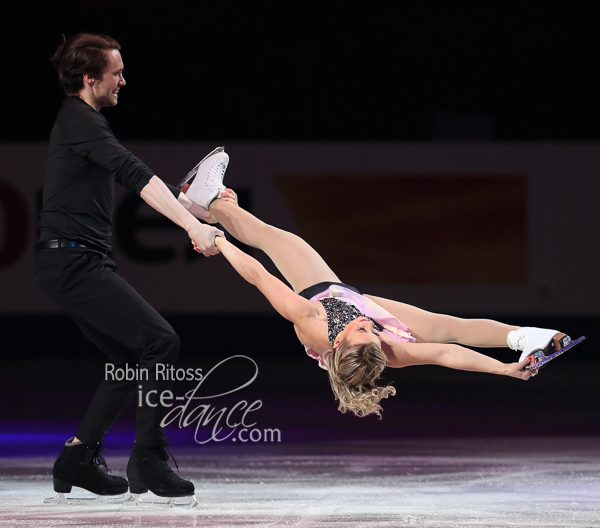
(123, 325)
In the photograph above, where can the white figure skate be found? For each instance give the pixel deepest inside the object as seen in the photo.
(539, 344)
(204, 182)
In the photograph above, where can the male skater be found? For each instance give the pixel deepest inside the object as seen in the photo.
(74, 269)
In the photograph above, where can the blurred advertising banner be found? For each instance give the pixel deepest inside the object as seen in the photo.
(451, 227)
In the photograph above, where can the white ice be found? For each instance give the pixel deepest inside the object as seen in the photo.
(551, 482)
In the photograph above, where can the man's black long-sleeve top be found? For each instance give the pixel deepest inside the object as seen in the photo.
(84, 161)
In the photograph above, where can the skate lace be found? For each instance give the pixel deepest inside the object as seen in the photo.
(521, 342)
(216, 173)
(164, 449)
(94, 455)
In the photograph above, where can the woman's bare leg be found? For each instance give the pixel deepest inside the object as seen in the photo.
(299, 263)
(430, 327)
(302, 267)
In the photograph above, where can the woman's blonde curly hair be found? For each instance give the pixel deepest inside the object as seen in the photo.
(353, 371)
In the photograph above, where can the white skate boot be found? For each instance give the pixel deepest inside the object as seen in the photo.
(204, 182)
(536, 342)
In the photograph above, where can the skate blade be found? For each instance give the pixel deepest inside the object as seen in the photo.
(188, 502)
(184, 184)
(542, 359)
(558, 342)
(88, 501)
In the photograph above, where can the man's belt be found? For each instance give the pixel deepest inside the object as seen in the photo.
(59, 244)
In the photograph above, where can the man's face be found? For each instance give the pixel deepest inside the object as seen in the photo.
(106, 88)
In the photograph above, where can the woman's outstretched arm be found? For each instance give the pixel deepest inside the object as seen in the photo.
(451, 356)
(296, 260)
(287, 303)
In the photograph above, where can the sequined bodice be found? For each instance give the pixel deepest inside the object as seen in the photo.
(339, 314)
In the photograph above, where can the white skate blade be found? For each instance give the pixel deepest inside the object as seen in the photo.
(194, 171)
(187, 502)
(88, 501)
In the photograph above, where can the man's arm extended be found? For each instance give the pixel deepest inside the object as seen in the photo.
(158, 196)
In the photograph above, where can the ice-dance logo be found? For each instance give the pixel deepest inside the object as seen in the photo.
(211, 422)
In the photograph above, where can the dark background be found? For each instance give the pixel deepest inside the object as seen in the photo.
(414, 71)
(285, 72)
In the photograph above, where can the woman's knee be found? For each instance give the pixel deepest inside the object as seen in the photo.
(449, 328)
(270, 234)
(441, 328)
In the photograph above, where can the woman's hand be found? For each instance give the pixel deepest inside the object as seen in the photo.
(229, 195)
(518, 370)
(203, 239)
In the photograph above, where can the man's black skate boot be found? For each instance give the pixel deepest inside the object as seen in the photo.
(147, 469)
(79, 465)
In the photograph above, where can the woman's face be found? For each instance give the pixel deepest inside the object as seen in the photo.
(361, 331)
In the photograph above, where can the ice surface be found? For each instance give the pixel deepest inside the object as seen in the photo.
(420, 483)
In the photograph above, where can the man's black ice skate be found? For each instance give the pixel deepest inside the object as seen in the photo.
(79, 465)
(148, 470)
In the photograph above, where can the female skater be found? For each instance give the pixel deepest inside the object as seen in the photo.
(352, 335)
